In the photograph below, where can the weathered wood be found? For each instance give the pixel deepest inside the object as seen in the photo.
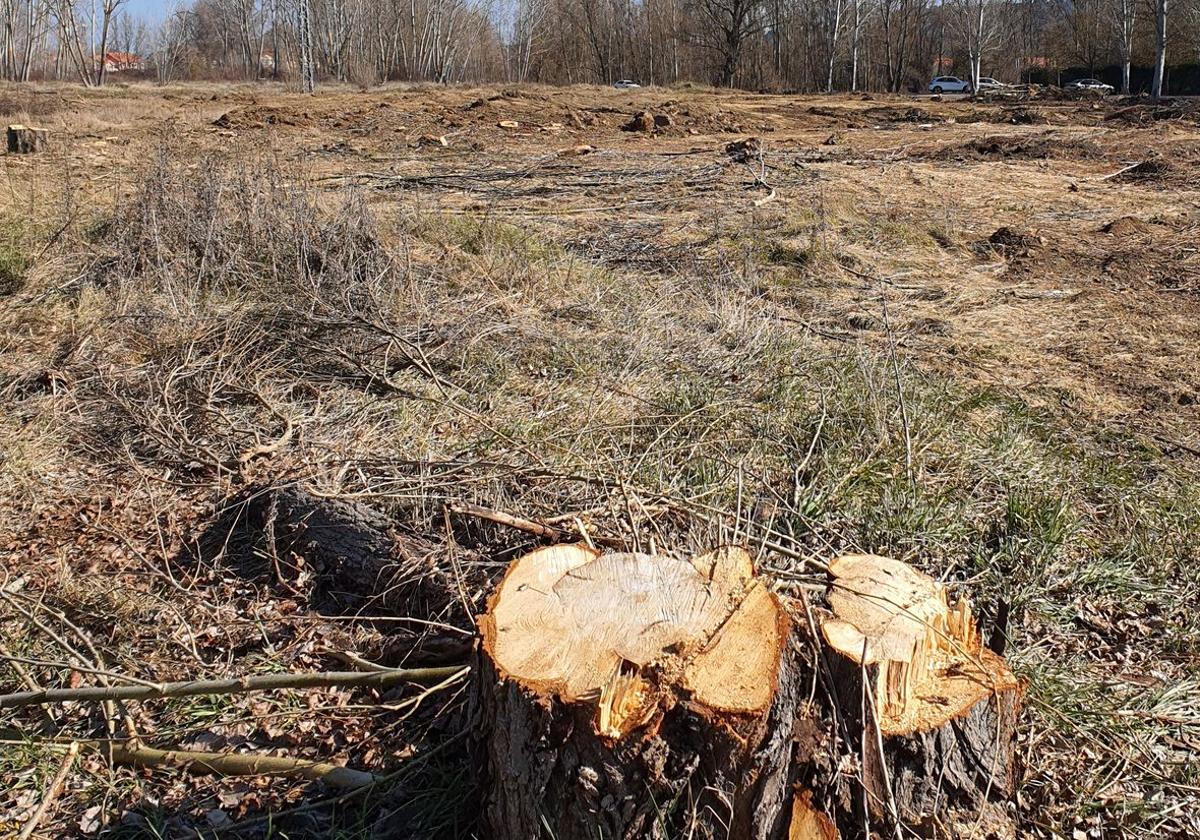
(352, 556)
(24, 139)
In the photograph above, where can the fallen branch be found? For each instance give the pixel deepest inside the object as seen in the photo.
(236, 685)
(242, 764)
(1121, 171)
(52, 793)
(766, 199)
(529, 526)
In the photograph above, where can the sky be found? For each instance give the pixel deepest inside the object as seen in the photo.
(151, 11)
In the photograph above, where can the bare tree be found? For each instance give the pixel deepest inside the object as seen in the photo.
(170, 44)
(729, 24)
(832, 19)
(976, 25)
(108, 10)
(308, 79)
(528, 19)
(1124, 19)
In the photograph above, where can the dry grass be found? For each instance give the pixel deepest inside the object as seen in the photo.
(681, 369)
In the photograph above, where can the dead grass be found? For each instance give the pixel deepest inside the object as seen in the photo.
(232, 324)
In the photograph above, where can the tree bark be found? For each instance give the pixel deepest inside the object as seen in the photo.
(23, 140)
(1160, 48)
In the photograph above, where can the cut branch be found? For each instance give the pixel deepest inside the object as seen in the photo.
(529, 526)
(52, 793)
(242, 764)
(237, 685)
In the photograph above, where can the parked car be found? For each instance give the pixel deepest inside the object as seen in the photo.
(987, 83)
(1090, 85)
(626, 84)
(949, 84)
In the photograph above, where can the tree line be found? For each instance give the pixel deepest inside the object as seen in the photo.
(801, 45)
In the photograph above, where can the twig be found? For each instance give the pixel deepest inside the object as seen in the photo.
(237, 685)
(529, 526)
(538, 529)
(766, 199)
(83, 669)
(408, 767)
(52, 793)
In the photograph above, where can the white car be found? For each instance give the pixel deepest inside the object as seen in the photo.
(626, 84)
(949, 84)
(1090, 84)
(988, 83)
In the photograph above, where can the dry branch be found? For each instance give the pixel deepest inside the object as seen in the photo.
(242, 764)
(529, 526)
(236, 685)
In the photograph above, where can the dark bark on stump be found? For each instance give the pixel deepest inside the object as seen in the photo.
(697, 773)
(24, 140)
(928, 776)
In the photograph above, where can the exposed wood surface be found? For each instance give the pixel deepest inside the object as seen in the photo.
(612, 684)
(938, 723)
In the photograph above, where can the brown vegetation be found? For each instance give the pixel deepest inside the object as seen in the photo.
(285, 389)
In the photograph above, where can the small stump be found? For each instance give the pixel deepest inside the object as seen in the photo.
(939, 719)
(23, 140)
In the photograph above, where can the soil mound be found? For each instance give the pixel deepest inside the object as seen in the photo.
(1020, 148)
(255, 116)
(1127, 226)
(1012, 242)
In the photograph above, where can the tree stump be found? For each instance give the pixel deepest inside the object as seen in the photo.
(935, 711)
(630, 696)
(24, 140)
(621, 694)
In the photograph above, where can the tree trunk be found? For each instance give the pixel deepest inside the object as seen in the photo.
(1160, 47)
(630, 696)
(23, 140)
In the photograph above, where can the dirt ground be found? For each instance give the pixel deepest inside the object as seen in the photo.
(1008, 249)
(992, 312)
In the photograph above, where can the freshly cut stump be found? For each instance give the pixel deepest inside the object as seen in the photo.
(630, 696)
(622, 694)
(937, 711)
(25, 140)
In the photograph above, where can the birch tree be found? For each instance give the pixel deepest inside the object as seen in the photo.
(1160, 47)
(1124, 19)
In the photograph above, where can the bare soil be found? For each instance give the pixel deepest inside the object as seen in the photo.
(1107, 317)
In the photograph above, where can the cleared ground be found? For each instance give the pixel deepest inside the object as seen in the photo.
(961, 333)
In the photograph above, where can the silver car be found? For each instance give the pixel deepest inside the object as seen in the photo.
(626, 84)
(949, 84)
(1090, 84)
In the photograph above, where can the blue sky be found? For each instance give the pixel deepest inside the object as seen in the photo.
(149, 10)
